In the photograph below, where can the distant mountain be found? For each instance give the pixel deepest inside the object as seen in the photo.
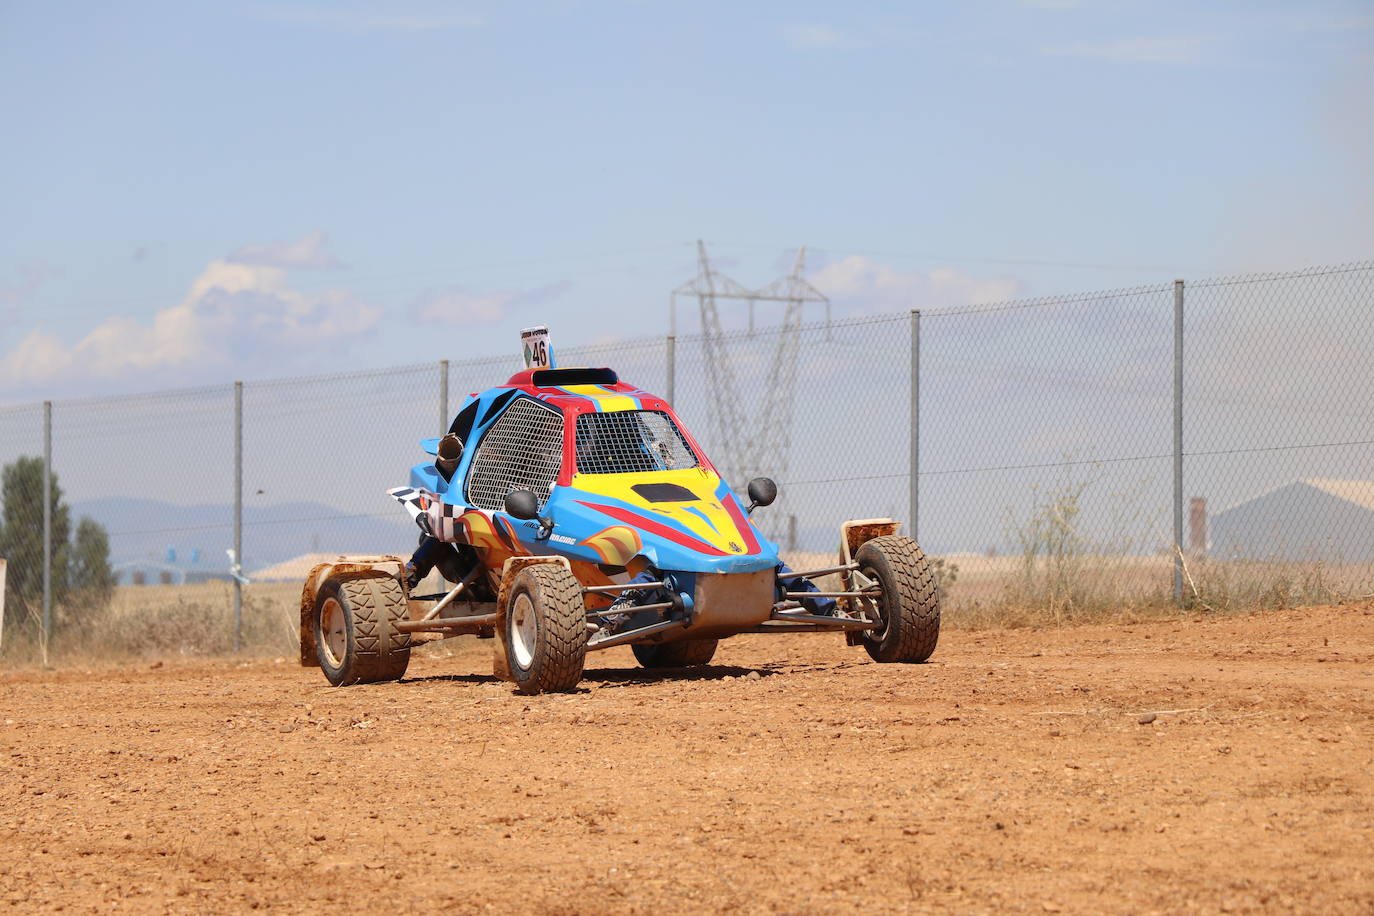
(142, 530)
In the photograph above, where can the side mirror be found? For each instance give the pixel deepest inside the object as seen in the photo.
(522, 504)
(762, 492)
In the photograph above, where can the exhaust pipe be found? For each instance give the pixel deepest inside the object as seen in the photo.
(450, 450)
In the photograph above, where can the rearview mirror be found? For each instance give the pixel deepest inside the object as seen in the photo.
(522, 504)
(762, 492)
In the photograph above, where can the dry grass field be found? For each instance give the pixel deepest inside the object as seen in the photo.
(187, 621)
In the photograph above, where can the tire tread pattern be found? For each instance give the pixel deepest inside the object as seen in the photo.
(912, 636)
(383, 652)
(562, 636)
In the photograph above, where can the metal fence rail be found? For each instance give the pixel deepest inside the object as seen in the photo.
(1145, 428)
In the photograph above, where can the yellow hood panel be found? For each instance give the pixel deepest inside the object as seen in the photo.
(704, 517)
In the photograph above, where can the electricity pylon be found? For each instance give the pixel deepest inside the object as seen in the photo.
(750, 443)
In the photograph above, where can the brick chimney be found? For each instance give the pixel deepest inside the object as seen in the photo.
(1197, 526)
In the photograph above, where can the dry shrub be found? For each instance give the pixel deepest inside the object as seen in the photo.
(190, 628)
(165, 621)
(151, 622)
(1245, 585)
(1130, 589)
(1062, 576)
(1059, 574)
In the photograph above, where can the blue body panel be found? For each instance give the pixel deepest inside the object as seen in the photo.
(574, 522)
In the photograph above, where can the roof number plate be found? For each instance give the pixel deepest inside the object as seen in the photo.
(537, 349)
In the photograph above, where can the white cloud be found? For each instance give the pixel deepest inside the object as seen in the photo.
(235, 316)
(309, 253)
(456, 305)
(817, 36)
(361, 20)
(858, 284)
(1177, 49)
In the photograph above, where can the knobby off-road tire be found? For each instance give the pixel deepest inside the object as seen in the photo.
(910, 602)
(681, 654)
(355, 630)
(546, 629)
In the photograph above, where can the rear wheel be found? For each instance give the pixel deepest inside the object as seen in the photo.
(546, 629)
(681, 654)
(909, 607)
(356, 638)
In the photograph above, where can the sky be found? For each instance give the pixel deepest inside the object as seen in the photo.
(199, 192)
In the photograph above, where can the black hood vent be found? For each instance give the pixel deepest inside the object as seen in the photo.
(664, 493)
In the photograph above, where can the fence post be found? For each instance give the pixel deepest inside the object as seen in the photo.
(1178, 442)
(672, 369)
(47, 529)
(443, 396)
(914, 482)
(238, 515)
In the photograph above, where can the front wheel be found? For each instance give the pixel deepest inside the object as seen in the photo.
(356, 639)
(545, 629)
(909, 606)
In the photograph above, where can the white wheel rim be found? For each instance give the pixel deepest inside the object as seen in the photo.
(332, 629)
(524, 630)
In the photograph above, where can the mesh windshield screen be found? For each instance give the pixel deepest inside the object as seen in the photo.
(629, 441)
(522, 450)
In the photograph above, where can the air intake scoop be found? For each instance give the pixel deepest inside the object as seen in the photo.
(664, 493)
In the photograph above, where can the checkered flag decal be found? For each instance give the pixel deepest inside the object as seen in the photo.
(434, 516)
(444, 523)
(415, 501)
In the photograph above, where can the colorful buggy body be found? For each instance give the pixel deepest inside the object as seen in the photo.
(579, 514)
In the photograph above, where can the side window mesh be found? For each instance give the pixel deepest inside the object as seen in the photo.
(629, 441)
(523, 449)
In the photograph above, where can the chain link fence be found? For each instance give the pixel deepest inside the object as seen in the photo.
(1042, 478)
(1278, 387)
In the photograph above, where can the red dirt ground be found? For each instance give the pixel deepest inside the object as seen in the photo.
(793, 775)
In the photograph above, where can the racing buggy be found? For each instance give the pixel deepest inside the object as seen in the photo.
(568, 511)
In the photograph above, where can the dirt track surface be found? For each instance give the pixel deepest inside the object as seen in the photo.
(1010, 774)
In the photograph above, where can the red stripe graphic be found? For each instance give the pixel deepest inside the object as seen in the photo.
(653, 527)
(741, 521)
